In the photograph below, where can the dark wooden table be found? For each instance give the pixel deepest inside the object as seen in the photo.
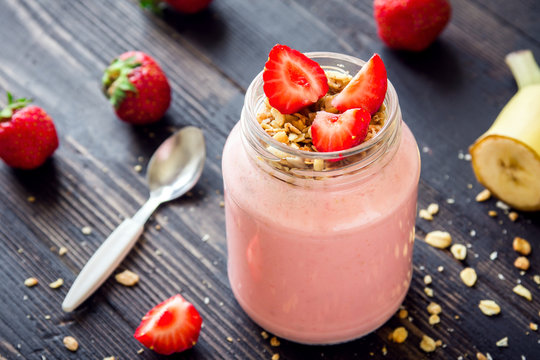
(55, 52)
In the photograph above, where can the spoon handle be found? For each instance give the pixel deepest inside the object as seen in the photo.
(106, 258)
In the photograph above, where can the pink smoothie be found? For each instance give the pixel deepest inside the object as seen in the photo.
(320, 263)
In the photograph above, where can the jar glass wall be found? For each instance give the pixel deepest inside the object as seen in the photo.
(320, 244)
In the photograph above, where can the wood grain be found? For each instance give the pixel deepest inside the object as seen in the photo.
(55, 52)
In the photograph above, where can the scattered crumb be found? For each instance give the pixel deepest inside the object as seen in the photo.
(140, 351)
(47, 317)
(439, 239)
(522, 291)
(264, 335)
(440, 268)
(433, 209)
(434, 309)
(109, 358)
(31, 199)
(222, 204)
(533, 326)
(229, 339)
(521, 246)
(384, 350)
(536, 279)
(399, 335)
(206, 300)
(274, 341)
(275, 357)
(86, 230)
(427, 279)
(489, 307)
(157, 227)
(31, 281)
(468, 276)
(424, 214)
(127, 278)
(434, 319)
(480, 356)
(137, 168)
(503, 342)
(522, 263)
(492, 213)
(205, 237)
(70, 343)
(450, 201)
(500, 276)
(502, 206)
(483, 195)
(512, 215)
(403, 313)
(459, 251)
(56, 284)
(428, 291)
(493, 255)
(62, 251)
(428, 344)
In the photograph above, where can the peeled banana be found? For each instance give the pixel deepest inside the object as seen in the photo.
(506, 158)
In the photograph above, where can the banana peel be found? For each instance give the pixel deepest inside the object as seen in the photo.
(506, 158)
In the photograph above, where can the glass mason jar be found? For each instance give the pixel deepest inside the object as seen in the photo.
(320, 254)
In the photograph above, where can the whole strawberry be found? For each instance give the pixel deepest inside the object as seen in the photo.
(137, 87)
(184, 6)
(27, 134)
(411, 24)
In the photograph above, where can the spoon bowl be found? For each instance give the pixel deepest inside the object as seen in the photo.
(173, 170)
(177, 164)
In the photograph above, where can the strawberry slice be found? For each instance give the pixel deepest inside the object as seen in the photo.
(366, 90)
(170, 327)
(335, 132)
(292, 80)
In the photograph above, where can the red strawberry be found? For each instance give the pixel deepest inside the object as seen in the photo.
(367, 88)
(292, 80)
(137, 87)
(169, 327)
(27, 134)
(184, 6)
(410, 24)
(335, 132)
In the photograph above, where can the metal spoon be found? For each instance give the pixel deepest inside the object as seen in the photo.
(173, 170)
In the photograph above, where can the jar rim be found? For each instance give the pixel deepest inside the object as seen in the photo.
(253, 101)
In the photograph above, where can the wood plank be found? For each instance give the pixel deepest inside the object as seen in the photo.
(56, 53)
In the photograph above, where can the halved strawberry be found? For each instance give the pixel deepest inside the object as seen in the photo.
(172, 326)
(334, 132)
(292, 80)
(366, 90)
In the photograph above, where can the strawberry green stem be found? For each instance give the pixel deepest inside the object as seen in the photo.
(152, 5)
(12, 105)
(115, 80)
(523, 67)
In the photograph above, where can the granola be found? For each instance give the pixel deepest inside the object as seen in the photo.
(294, 130)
